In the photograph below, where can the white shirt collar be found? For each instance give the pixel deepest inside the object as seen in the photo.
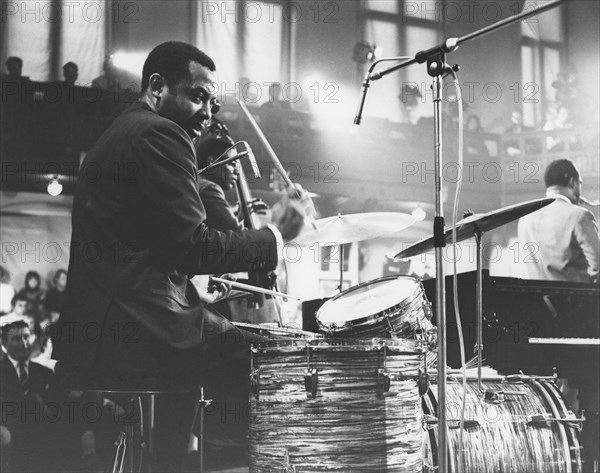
(15, 363)
(556, 195)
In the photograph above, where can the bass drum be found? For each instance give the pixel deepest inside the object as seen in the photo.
(335, 405)
(515, 432)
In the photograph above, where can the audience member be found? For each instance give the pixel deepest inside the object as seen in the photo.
(18, 312)
(7, 292)
(55, 297)
(557, 118)
(70, 73)
(26, 388)
(475, 146)
(34, 294)
(512, 147)
(276, 101)
(14, 66)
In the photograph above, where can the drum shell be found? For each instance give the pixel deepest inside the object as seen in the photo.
(406, 315)
(352, 424)
(502, 437)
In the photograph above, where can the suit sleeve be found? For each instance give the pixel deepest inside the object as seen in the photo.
(218, 212)
(178, 237)
(586, 233)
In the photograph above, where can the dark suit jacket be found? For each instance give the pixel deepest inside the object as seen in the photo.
(218, 211)
(137, 234)
(12, 395)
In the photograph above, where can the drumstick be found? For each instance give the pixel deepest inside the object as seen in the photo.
(271, 153)
(249, 287)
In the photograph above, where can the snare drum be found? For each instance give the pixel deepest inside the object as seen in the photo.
(335, 405)
(516, 430)
(388, 307)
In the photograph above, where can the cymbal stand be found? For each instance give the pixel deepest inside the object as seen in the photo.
(340, 288)
(479, 302)
(437, 67)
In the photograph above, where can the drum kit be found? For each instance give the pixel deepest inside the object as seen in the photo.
(358, 396)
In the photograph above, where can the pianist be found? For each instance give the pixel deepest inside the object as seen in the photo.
(562, 238)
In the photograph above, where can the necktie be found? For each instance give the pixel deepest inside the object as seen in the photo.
(23, 376)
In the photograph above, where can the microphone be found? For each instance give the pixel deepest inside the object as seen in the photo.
(252, 159)
(363, 98)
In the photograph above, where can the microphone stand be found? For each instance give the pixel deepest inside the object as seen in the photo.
(437, 68)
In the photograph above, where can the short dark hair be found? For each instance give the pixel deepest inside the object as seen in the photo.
(560, 172)
(18, 297)
(214, 147)
(58, 273)
(171, 60)
(71, 64)
(14, 59)
(17, 325)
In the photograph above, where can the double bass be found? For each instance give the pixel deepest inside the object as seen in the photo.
(259, 308)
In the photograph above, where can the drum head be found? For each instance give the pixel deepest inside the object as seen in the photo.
(366, 300)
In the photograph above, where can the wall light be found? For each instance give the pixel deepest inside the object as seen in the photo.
(54, 188)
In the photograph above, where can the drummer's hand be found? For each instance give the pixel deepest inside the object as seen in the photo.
(217, 290)
(292, 211)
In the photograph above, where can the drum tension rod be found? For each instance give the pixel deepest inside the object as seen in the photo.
(311, 377)
(544, 420)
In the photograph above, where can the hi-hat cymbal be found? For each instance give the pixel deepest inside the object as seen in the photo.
(478, 223)
(351, 228)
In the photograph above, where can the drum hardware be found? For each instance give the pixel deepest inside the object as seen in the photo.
(311, 382)
(523, 378)
(383, 382)
(424, 380)
(475, 225)
(430, 422)
(545, 420)
(203, 403)
(287, 466)
(255, 383)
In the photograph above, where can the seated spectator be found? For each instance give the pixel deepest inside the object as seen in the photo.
(557, 118)
(55, 297)
(14, 66)
(70, 73)
(7, 292)
(512, 147)
(475, 146)
(34, 294)
(18, 312)
(25, 390)
(276, 101)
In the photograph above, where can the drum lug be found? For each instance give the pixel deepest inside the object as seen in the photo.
(423, 382)
(493, 397)
(287, 467)
(311, 382)
(383, 382)
(255, 383)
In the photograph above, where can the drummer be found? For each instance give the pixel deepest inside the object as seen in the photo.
(148, 236)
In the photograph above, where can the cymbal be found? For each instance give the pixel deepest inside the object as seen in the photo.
(351, 228)
(478, 223)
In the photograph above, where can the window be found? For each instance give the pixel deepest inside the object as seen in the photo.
(401, 28)
(255, 38)
(541, 59)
